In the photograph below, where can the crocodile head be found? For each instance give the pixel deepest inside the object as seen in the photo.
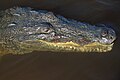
(24, 30)
(50, 39)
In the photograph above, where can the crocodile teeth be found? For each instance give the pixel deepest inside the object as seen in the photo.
(71, 47)
(90, 50)
(97, 49)
(62, 47)
(100, 50)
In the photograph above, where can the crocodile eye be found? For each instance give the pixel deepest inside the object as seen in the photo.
(46, 30)
(104, 33)
(47, 27)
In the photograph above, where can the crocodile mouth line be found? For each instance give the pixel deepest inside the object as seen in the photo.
(65, 47)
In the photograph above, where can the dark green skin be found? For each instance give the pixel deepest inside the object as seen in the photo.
(22, 24)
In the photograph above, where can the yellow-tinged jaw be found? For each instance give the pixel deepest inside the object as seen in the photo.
(41, 45)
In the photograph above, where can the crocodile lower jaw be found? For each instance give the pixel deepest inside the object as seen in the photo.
(41, 45)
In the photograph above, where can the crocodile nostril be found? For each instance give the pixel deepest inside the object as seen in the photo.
(111, 37)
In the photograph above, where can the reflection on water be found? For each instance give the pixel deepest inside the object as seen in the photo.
(66, 66)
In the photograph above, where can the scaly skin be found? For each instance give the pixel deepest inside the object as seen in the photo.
(23, 30)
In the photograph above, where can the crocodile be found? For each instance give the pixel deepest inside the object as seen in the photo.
(24, 29)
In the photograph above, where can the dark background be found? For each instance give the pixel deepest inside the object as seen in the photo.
(67, 66)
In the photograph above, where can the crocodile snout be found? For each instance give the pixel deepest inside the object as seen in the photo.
(108, 36)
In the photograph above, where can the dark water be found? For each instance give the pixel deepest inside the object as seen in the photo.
(67, 66)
